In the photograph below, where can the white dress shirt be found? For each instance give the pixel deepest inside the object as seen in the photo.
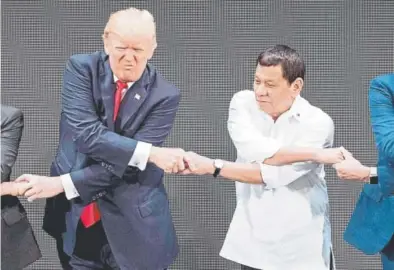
(284, 223)
(139, 159)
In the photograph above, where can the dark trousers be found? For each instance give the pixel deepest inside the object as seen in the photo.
(388, 255)
(63, 257)
(91, 252)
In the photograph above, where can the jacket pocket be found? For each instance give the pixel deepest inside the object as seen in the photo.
(12, 215)
(154, 206)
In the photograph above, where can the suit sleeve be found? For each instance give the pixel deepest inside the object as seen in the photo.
(90, 135)
(93, 181)
(11, 134)
(382, 119)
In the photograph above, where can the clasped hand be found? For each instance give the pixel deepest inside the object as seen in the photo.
(350, 168)
(33, 187)
(178, 161)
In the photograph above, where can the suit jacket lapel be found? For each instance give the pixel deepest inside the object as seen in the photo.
(107, 87)
(134, 98)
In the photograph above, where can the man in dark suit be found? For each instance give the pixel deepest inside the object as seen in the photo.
(371, 227)
(117, 111)
(18, 244)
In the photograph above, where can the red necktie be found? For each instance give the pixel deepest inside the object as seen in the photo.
(118, 96)
(91, 214)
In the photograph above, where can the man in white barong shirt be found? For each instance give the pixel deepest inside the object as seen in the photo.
(281, 221)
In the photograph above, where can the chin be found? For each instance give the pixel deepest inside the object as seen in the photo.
(131, 76)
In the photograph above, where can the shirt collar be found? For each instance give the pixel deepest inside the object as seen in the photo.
(296, 109)
(129, 84)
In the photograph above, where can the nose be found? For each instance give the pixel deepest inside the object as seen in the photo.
(261, 90)
(129, 55)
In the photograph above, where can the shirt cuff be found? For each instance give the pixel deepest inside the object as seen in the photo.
(69, 188)
(141, 155)
(373, 171)
(269, 174)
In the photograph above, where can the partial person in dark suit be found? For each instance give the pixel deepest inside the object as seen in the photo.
(371, 227)
(117, 110)
(18, 244)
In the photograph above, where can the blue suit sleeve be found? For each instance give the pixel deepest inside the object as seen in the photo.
(93, 181)
(382, 119)
(90, 135)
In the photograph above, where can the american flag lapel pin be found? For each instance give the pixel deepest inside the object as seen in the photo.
(137, 96)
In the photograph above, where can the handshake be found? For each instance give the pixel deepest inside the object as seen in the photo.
(178, 161)
(345, 165)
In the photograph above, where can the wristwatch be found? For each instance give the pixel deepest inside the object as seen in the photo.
(218, 164)
(373, 175)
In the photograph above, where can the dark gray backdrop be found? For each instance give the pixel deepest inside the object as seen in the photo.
(208, 49)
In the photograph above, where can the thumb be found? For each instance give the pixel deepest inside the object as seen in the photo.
(185, 172)
(346, 154)
(190, 165)
(23, 178)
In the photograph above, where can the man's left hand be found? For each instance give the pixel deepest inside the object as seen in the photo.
(352, 169)
(41, 186)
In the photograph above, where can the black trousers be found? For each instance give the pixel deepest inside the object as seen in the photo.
(63, 257)
(91, 250)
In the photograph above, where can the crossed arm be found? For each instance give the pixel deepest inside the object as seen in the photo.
(267, 161)
(111, 151)
(276, 165)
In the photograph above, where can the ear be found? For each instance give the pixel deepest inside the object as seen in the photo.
(106, 45)
(152, 50)
(297, 86)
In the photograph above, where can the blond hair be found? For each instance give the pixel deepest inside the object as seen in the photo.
(131, 21)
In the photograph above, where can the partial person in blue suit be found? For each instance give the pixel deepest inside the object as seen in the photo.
(112, 211)
(371, 227)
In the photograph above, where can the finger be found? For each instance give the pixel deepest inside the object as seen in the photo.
(33, 198)
(185, 172)
(175, 168)
(23, 188)
(30, 192)
(190, 163)
(23, 178)
(345, 153)
(181, 165)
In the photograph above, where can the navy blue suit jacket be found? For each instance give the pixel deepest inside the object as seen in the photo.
(96, 151)
(372, 223)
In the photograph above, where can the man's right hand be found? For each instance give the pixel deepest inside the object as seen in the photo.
(330, 155)
(168, 159)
